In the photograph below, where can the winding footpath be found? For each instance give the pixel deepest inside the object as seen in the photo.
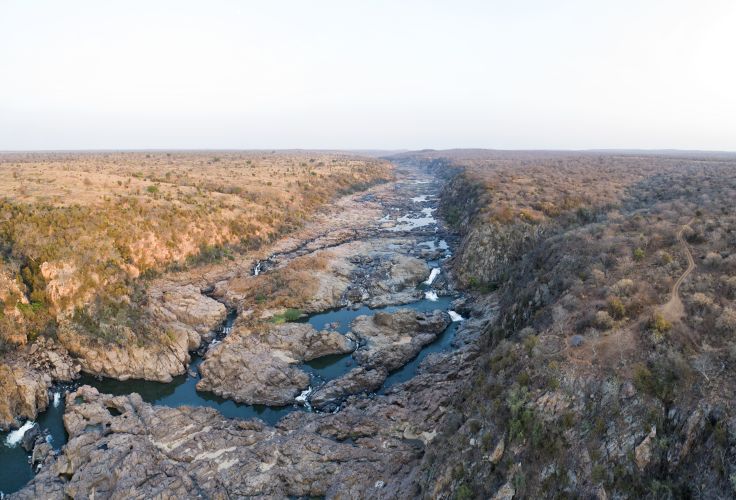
(673, 310)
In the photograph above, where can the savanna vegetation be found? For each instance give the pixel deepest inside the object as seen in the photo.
(81, 232)
(596, 380)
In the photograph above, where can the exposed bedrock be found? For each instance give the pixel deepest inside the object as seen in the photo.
(388, 342)
(262, 367)
(121, 447)
(180, 318)
(26, 376)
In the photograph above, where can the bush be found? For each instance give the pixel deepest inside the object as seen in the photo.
(662, 379)
(665, 258)
(290, 315)
(464, 492)
(638, 254)
(603, 320)
(616, 308)
(726, 322)
(712, 259)
(659, 324)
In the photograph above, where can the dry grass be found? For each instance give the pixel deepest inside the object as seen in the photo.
(91, 223)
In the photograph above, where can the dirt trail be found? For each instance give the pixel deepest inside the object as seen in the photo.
(673, 310)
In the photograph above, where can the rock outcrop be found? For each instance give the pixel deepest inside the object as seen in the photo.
(27, 374)
(129, 356)
(262, 367)
(354, 382)
(388, 342)
(393, 339)
(180, 317)
(185, 307)
(120, 446)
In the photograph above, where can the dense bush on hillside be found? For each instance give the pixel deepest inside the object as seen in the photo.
(590, 352)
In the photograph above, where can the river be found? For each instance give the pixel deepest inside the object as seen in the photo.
(413, 217)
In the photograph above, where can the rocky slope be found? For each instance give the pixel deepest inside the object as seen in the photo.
(583, 254)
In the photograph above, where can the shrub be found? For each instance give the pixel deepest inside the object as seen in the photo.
(152, 189)
(464, 492)
(638, 254)
(659, 324)
(726, 322)
(623, 287)
(530, 343)
(603, 320)
(290, 315)
(616, 308)
(702, 301)
(730, 283)
(598, 474)
(665, 258)
(662, 379)
(712, 259)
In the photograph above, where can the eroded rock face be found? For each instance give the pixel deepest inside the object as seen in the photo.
(261, 367)
(27, 374)
(181, 317)
(187, 307)
(156, 359)
(394, 339)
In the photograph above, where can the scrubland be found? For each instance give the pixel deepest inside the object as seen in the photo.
(588, 385)
(80, 233)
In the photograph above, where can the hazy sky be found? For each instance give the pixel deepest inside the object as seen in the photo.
(368, 74)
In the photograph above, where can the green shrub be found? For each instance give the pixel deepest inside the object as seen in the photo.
(598, 474)
(463, 492)
(290, 315)
(638, 254)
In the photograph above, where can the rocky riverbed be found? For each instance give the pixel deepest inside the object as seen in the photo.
(370, 296)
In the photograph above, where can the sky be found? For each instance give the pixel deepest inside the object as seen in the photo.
(226, 74)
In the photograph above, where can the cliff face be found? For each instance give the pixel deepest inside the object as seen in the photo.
(584, 354)
(487, 247)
